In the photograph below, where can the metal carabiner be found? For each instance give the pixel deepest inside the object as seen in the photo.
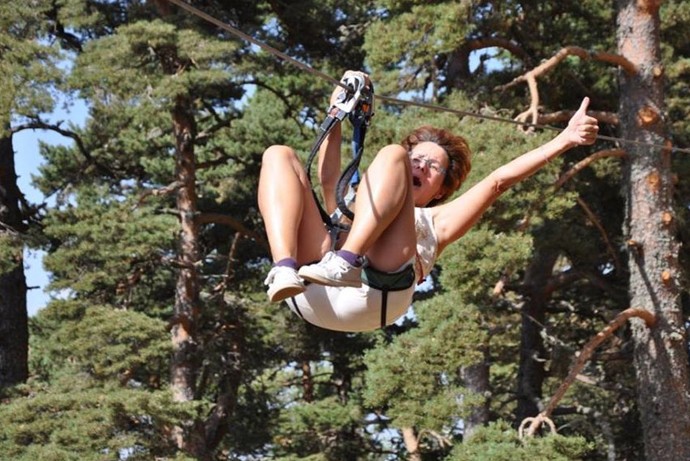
(348, 99)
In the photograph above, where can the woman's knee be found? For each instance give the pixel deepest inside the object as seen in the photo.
(281, 163)
(392, 155)
(390, 164)
(279, 152)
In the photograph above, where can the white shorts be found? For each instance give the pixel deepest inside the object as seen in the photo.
(352, 309)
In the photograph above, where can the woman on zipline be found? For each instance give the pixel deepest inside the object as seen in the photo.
(400, 227)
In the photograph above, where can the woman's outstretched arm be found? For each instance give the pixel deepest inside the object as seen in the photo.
(452, 220)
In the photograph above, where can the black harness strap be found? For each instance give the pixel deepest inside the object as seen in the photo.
(384, 307)
(358, 107)
(296, 307)
(324, 130)
(360, 119)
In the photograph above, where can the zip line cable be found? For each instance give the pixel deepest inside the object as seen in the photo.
(526, 124)
(227, 27)
(252, 40)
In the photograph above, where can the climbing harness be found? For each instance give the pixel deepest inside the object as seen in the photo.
(357, 104)
(386, 282)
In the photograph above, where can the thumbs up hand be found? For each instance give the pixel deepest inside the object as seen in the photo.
(582, 129)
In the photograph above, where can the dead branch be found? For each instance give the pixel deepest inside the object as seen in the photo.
(225, 220)
(532, 75)
(587, 351)
(562, 116)
(442, 440)
(411, 441)
(582, 164)
(594, 220)
(167, 190)
(495, 42)
(533, 111)
(563, 53)
(579, 166)
(230, 268)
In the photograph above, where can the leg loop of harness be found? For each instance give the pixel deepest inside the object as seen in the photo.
(384, 308)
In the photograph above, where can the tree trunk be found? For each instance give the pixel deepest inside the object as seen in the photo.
(216, 426)
(184, 364)
(532, 355)
(187, 289)
(14, 333)
(411, 444)
(200, 438)
(476, 379)
(307, 381)
(661, 358)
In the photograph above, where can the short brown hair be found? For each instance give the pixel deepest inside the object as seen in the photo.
(456, 148)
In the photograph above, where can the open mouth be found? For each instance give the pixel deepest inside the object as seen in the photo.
(416, 181)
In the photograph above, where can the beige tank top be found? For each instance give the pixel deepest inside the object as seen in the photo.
(427, 243)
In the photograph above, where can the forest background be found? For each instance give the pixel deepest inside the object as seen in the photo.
(161, 343)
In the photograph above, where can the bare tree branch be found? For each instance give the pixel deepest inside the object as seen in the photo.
(533, 424)
(495, 42)
(562, 116)
(167, 190)
(594, 220)
(563, 53)
(531, 76)
(225, 220)
(585, 163)
(37, 124)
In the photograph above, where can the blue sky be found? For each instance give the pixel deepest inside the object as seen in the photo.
(27, 160)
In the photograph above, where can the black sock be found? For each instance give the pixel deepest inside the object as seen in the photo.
(353, 259)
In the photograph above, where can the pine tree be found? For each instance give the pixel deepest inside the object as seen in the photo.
(176, 104)
(27, 72)
(661, 353)
(163, 97)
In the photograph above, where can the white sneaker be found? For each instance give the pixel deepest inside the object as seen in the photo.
(333, 271)
(283, 282)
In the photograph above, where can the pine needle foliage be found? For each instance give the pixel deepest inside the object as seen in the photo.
(266, 385)
(499, 442)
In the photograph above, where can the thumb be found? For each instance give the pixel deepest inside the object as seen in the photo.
(583, 106)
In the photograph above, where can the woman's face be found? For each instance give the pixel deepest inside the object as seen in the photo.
(429, 164)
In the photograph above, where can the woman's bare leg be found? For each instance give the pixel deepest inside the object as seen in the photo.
(293, 223)
(383, 227)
